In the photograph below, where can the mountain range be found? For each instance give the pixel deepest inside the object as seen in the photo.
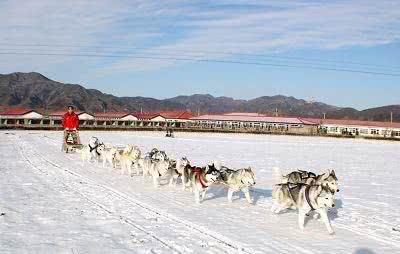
(35, 91)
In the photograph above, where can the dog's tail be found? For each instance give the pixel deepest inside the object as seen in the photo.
(277, 176)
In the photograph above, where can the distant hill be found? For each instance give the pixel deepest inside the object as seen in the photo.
(35, 91)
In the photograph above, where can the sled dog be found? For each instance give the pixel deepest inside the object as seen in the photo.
(156, 169)
(238, 180)
(109, 155)
(327, 180)
(90, 151)
(130, 156)
(305, 198)
(200, 179)
(180, 171)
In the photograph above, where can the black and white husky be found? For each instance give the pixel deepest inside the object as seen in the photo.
(327, 180)
(90, 151)
(180, 170)
(200, 179)
(238, 180)
(305, 198)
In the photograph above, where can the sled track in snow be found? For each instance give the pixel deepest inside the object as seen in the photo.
(113, 195)
(338, 224)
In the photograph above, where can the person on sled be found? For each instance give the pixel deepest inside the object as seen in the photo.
(70, 124)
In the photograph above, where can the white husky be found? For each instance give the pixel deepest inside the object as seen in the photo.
(90, 151)
(109, 155)
(129, 157)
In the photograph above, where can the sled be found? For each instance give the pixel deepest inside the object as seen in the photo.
(169, 134)
(71, 142)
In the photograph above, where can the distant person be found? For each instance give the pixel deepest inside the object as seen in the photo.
(70, 124)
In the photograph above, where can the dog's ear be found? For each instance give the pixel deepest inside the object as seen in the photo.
(333, 173)
(326, 175)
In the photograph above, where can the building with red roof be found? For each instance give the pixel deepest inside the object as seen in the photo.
(167, 116)
(20, 114)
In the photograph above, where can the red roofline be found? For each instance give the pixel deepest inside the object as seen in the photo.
(17, 111)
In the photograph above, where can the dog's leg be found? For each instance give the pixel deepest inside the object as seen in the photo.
(197, 196)
(203, 194)
(130, 171)
(325, 219)
(155, 180)
(302, 217)
(230, 194)
(247, 195)
(104, 160)
(274, 207)
(183, 179)
(136, 167)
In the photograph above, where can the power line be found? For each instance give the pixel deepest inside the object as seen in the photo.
(227, 53)
(201, 60)
(186, 56)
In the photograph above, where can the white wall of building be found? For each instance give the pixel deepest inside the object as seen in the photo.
(129, 118)
(85, 116)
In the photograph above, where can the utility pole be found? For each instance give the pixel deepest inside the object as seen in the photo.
(141, 110)
(198, 111)
(324, 116)
(391, 117)
(276, 111)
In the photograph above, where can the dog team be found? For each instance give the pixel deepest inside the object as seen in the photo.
(300, 190)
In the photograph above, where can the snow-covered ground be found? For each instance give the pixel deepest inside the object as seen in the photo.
(50, 203)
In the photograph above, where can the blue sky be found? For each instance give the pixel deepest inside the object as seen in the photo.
(351, 35)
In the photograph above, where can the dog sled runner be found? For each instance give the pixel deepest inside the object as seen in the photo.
(71, 141)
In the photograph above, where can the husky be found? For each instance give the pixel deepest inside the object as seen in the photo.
(151, 157)
(305, 198)
(327, 180)
(130, 156)
(90, 151)
(181, 171)
(201, 179)
(156, 169)
(109, 155)
(238, 180)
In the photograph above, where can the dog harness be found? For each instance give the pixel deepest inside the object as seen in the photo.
(94, 148)
(307, 194)
(198, 171)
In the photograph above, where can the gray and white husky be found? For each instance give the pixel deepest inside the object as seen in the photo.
(200, 179)
(238, 180)
(305, 198)
(181, 170)
(327, 180)
(156, 164)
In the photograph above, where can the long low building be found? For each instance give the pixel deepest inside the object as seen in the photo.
(340, 127)
(256, 122)
(20, 118)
